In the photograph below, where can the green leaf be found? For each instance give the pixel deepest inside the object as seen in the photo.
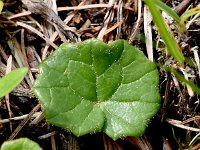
(20, 144)
(11, 80)
(1, 6)
(181, 78)
(93, 86)
(168, 10)
(173, 14)
(189, 13)
(168, 38)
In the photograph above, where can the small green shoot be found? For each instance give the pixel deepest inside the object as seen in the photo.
(170, 42)
(11, 80)
(189, 13)
(182, 79)
(93, 86)
(20, 144)
(1, 6)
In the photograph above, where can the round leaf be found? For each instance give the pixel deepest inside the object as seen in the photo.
(20, 144)
(93, 86)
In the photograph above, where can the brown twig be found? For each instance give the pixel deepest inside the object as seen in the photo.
(180, 9)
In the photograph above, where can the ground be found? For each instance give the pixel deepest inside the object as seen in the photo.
(31, 30)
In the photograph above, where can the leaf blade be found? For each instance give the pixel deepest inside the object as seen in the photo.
(170, 42)
(11, 80)
(88, 87)
(20, 144)
(168, 10)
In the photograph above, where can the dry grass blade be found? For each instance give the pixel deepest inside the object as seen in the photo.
(91, 6)
(138, 22)
(186, 75)
(113, 27)
(3, 54)
(120, 18)
(189, 23)
(48, 27)
(194, 139)
(25, 13)
(19, 118)
(196, 58)
(53, 142)
(106, 21)
(39, 7)
(37, 32)
(179, 124)
(25, 57)
(52, 38)
(23, 123)
(20, 58)
(47, 135)
(148, 33)
(8, 69)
